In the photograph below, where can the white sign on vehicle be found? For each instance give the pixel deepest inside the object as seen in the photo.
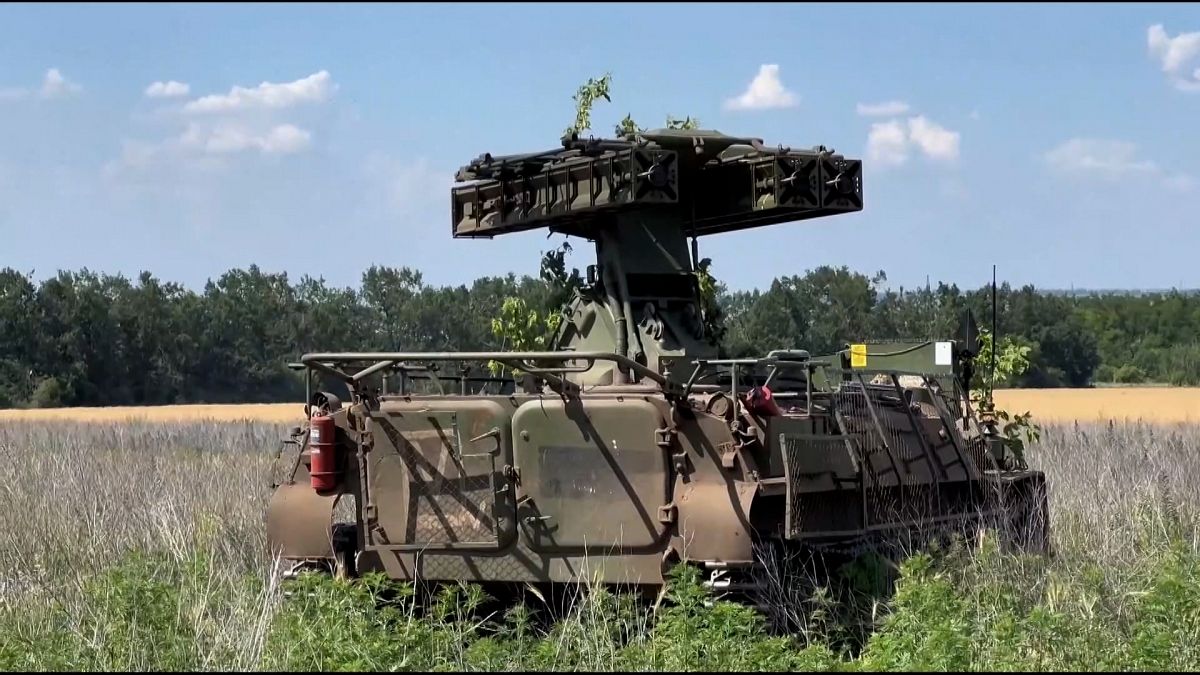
(941, 354)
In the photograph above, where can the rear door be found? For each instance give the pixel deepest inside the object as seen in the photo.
(436, 476)
(592, 476)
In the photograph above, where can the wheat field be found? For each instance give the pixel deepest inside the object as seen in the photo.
(281, 413)
(1147, 404)
(1123, 404)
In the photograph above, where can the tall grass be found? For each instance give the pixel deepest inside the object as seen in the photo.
(142, 546)
(114, 536)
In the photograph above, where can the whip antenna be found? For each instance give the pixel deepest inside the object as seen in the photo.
(995, 341)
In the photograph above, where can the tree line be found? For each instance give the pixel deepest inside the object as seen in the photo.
(85, 338)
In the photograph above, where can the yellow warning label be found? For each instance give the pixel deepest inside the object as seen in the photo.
(858, 356)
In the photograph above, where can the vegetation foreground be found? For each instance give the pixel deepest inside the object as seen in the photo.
(138, 546)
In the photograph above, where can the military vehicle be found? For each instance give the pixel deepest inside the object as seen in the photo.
(630, 445)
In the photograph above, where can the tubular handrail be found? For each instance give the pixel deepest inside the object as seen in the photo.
(776, 359)
(320, 361)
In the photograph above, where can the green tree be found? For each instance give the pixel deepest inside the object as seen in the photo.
(249, 336)
(817, 312)
(20, 336)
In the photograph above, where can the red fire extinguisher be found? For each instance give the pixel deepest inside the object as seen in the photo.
(323, 453)
(761, 402)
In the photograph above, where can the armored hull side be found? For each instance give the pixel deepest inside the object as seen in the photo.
(617, 484)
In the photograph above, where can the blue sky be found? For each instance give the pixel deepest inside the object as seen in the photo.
(1057, 142)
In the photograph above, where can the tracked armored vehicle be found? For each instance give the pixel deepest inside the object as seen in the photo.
(629, 446)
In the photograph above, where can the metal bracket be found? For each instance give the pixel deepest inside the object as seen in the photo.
(511, 473)
(667, 513)
(728, 455)
(680, 461)
(664, 437)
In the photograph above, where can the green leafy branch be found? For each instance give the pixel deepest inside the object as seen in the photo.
(554, 272)
(600, 88)
(584, 98)
(522, 329)
(710, 309)
(1012, 360)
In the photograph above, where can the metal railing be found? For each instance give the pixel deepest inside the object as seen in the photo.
(406, 362)
(778, 361)
(820, 375)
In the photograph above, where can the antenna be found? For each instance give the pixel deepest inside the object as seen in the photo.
(995, 341)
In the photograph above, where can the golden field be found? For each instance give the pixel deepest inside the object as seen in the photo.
(1150, 404)
(254, 412)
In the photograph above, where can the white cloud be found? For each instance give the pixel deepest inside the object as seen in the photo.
(934, 140)
(1178, 54)
(891, 143)
(247, 122)
(1110, 160)
(887, 144)
(312, 89)
(886, 109)
(764, 92)
(286, 139)
(167, 89)
(55, 85)
(208, 146)
(283, 139)
(1098, 157)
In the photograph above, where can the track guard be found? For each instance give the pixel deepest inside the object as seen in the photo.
(714, 521)
(300, 522)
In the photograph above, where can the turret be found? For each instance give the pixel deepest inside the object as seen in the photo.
(639, 199)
